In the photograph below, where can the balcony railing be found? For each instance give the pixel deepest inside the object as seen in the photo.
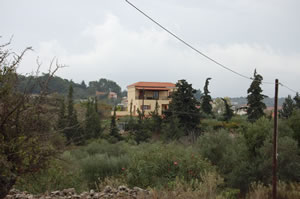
(152, 98)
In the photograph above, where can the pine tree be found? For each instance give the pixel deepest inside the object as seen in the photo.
(287, 107)
(114, 131)
(228, 111)
(184, 106)
(206, 100)
(255, 98)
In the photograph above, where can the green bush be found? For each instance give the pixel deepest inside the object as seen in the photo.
(60, 175)
(229, 153)
(155, 165)
(97, 167)
(104, 147)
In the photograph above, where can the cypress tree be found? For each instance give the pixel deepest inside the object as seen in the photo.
(228, 111)
(114, 131)
(206, 100)
(92, 121)
(73, 131)
(255, 98)
(61, 123)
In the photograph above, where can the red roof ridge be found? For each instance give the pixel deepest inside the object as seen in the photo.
(152, 84)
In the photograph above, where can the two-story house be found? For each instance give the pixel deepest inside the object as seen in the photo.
(144, 95)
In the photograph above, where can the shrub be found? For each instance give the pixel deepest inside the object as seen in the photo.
(156, 164)
(60, 175)
(207, 187)
(229, 153)
(100, 166)
(284, 191)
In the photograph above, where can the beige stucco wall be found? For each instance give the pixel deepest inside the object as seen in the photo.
(133, 95)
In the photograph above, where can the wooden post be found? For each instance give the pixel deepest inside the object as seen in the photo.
(143, 112)
(274, 190)
(131, 108)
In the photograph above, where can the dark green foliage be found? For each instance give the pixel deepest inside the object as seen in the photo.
(114, 130)
(228, 114)
(172, 129)
(206, 100)
(256, 134)
(297, 100)
(61, 123)
(256, 106)
(229, 154)
(288, 161)
(157, 164)
(73, 130)
(98, 160)
(140, 129)
(92, 120)
(287, 108)
(155, 120)
(61, 86)
(294, 123)
(104, 85)
(184, 106)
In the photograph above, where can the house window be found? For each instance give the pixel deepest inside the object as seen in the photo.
(155, 94)
(146, 107)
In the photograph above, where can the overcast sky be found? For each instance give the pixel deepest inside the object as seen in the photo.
(109, 39)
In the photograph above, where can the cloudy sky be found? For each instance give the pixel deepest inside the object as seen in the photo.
(109, 39)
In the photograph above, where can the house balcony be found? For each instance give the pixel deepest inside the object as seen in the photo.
(153, 98)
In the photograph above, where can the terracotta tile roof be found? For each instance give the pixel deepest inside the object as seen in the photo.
(153, 84)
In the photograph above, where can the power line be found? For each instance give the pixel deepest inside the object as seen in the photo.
(189, 45)
(198, 51)
(288, 88)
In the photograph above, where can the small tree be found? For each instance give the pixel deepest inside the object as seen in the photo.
(228, 111)
(25, 124)
(287, 108)
(61, 123)
(255, 98)
(73, 130)
(206, 100)
(141, 130)
(92, 120)
(297, 100)
(114, 131)
(155, 119)
(184, 106)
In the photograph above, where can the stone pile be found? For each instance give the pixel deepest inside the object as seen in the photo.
(108, 192)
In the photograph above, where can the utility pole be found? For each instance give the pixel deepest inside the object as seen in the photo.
(274, 190)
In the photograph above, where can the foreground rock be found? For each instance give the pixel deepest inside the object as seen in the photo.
(108, 192)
